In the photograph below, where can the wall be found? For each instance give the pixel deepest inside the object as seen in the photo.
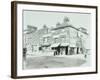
(5, 41)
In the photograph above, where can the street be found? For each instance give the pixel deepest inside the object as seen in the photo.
(60, 61)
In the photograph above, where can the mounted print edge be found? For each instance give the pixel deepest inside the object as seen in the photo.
(14, 38)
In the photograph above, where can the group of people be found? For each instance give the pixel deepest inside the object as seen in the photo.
(60, 51)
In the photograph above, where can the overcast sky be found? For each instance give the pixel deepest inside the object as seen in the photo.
(39, 18)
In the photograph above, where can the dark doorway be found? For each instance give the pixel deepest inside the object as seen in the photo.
(72, 50)
(77, 50)
(66, 50)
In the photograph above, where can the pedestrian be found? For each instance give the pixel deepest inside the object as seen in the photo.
(55, 52)
(24, 57)
(58, 50)
(24, 53)
(85, 56)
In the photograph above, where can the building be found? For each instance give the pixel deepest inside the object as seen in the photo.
(27, 38)
(32, 38)
(63, 39)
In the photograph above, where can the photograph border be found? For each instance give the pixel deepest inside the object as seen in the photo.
(14, 37)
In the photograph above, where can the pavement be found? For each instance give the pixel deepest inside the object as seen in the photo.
(43, 60)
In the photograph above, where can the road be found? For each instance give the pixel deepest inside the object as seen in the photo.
(55, 61)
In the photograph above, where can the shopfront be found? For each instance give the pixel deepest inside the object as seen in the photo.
(64, 48)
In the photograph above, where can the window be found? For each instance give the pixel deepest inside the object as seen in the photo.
(46, 39)
(63, 38)
(55, 40)
(34, 47)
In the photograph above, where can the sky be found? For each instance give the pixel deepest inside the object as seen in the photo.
(39, 18)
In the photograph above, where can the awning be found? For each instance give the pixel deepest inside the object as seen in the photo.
(55, 45)
(45, 45)
(72, 45)
(56, 36)
(64, 44)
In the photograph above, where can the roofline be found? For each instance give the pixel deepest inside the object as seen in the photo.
(68, 26)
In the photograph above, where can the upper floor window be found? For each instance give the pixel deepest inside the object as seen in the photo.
(55, 40)
(46, 39)
(63, 38)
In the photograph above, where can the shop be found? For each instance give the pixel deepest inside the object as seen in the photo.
(73, 49)
(56, 48)
(64, 48)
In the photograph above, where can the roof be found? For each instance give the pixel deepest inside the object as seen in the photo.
(62, 27)
(31, 27)
(28, 32)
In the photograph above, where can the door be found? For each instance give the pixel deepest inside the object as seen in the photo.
(66, 51)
